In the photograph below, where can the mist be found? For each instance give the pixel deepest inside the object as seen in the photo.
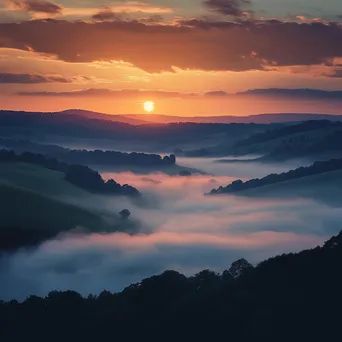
(179, 229)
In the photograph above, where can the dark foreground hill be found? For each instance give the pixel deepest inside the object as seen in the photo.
(41, 198)
(293, 297)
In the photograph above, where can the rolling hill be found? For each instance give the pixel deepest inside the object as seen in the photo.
(312, 140)
(81, 132)
(111, 117)
(324, 187)
(227, 119)
(322, 181)
(39, 200)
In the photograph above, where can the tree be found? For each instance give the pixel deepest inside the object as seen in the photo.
(173, 159)
(125, 214)
(184, 173)
(239, 267)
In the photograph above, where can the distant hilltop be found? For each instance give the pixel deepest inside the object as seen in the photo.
(143, 119)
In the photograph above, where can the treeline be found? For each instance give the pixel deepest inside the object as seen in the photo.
(293, 297)
(12, 237)
(316, 168)
(306, 146)
(288, 130)
(307, 139)
(96, 157)
(79, 126)
(79, 175)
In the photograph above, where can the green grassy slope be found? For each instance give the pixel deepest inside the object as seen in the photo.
(39, 179)
(38, 199)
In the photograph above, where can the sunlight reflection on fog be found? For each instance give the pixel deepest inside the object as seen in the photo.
(180, 229)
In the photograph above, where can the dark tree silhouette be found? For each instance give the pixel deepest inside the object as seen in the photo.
(185, 173)
(281, 299)
(239, 267)
(125, 214)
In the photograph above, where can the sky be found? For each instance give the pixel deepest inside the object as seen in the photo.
(87, 54)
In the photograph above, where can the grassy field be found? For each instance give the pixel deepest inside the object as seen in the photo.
(39, 179)
(33, 197)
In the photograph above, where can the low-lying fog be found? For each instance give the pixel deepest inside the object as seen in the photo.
(245, 169)
(181, 229)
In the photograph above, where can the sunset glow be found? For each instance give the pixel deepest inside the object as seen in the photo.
(170, 169)
(118, 56)
(149, 106)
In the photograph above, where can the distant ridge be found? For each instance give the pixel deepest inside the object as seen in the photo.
(80, 113)
(258, 118)
(95, 115)
(143, 119)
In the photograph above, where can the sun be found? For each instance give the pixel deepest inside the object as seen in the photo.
(149, 106)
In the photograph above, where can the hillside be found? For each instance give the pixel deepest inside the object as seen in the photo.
(70, 129)
(324, 172)
(310, 139)
(99, 159)
(72, 113)
(291, 297)
(227, 119)
(324, 187)
(40, 200)
(110, 117)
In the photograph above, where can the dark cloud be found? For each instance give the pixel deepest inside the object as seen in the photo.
(30, 78)
(228, 7)
(113, 93)
(106, 14)
(337, 73)
(136, 93)
(37, 6)
(216, 93)
(247, 45)
(153, 19)
(301, 93)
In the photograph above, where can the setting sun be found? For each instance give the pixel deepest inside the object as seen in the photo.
(149, 106)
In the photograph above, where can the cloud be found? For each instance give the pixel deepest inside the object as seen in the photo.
(106, 14)
(299, 93)
(113, 93)
(36, 6)
(162, 94)
(248, 45)
(232, 8)
(153, 19)
(335, 73)
(139, 7)
(31, 79)
(114, 14)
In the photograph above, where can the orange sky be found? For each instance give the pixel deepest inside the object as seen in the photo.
(64, 62)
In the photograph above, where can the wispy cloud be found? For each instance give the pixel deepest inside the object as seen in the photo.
(36, 6)
(234, 8)
(31, 78)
